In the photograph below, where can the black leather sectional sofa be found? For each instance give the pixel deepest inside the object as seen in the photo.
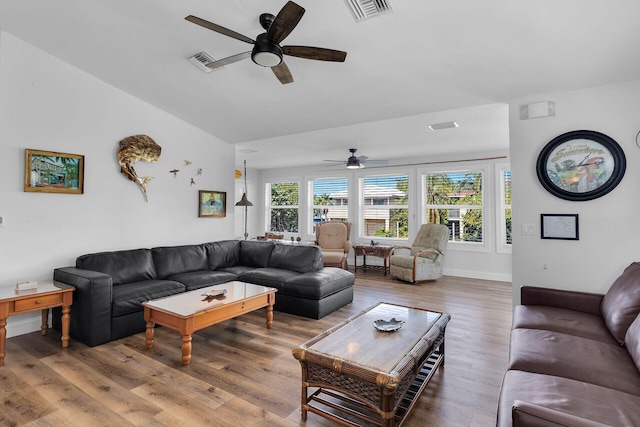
(110, 286)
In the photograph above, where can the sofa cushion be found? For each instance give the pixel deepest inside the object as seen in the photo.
(225, 253)
(588, 401)
(621, 303)
(274, 277)
(296, 258)
(318, 284)
(562, 320)
(632, 341)
(581, 359)
(123, 266)
(199, 279)
(170, 260)
(255, 254)
(128, 298)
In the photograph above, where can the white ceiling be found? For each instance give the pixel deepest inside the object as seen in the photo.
(426, 62)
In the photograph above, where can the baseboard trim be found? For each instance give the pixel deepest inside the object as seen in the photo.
(24, 324)
(481, 275)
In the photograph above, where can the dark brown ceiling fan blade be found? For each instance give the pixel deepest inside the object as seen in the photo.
(229, 60)
(317, 53)
(282, 73)
(285, 22)
(219, 29)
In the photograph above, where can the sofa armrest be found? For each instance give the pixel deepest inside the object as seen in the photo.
(393, 251)
(530, 414)
(91, 308)
(571, 300)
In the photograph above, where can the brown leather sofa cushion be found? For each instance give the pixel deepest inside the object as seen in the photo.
(632, 341)
(562, 320)
(621, 303)
(581, 359)
(584, 400)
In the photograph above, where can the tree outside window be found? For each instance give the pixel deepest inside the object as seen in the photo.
(283, 207)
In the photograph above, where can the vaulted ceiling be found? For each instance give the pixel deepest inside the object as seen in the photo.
(424, 62)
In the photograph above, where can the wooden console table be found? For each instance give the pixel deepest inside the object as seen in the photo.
(380, 251)
(47, 295)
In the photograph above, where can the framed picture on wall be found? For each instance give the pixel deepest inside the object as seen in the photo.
(559, 226)
(212, 204)
(581, 165)
(52, 172)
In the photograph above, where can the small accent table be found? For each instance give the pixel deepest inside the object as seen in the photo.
(380, 251)
(47, 295)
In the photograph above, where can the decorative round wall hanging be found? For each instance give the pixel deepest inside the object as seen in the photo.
(581, 165)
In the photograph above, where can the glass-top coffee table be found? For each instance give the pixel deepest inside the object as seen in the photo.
(359, 373)
(191, 311)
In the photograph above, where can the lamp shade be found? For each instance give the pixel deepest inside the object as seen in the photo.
(244, 201)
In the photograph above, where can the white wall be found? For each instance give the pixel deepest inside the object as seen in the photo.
(609, 229)
(486, 263)
(49, 105)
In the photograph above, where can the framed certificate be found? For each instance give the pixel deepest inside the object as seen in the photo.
(559, 226)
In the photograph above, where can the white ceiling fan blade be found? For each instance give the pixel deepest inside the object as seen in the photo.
(376, 162)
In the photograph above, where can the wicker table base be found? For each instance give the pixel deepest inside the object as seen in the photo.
(358, 374)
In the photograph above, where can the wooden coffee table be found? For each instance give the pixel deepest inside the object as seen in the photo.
(362, 374)
(189, 312)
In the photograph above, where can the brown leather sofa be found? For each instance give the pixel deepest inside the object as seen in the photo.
(574, 357)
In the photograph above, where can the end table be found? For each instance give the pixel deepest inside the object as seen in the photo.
(380, 251)
(47, 295)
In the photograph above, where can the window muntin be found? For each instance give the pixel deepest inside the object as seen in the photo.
(329, 200)
(283, 208)
(456, 200)
(384, 209)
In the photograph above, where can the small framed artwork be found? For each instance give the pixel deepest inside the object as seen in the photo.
(559, 226)
(581, 165)
(52, 172)
(212, 204)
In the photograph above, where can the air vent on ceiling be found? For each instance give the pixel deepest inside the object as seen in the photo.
(201, 60)
(444, 125)
(364, 9)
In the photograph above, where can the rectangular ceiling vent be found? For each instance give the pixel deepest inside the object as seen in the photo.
(444, 125)
(365, 9)
(201, 60)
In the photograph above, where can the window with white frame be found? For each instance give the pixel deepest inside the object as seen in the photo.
(455, 199)
(504, 209)
(282, 206)
(329, 200)
(384, 206)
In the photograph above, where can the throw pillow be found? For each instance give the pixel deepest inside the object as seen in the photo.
(621, 304)
(632, 341)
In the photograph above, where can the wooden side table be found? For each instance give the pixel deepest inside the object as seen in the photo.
(49, 294)
(380, 251)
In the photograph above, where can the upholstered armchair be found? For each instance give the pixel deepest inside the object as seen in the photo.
(333, 239)
(424, 259)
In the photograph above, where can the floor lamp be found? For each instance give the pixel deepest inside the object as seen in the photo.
(244, 201)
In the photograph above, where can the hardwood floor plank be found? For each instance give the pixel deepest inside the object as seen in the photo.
(243, 374)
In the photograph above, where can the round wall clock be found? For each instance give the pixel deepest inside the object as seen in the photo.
(581, 165)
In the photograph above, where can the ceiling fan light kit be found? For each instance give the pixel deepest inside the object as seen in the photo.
(267, 51)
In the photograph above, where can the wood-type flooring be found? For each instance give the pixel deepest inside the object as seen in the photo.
(243, 374)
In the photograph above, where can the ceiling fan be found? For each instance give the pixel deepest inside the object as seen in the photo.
(354, 162)
(267, 51)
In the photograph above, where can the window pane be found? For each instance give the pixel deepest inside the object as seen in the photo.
(283, 219)
(330, 200)
(384, 209)
(455, 200)
(283, 209)
(506, 180)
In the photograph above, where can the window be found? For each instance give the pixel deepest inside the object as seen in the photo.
(329, 200)
(282, 198)
(384, 206)
(504, 209)
(456, 200)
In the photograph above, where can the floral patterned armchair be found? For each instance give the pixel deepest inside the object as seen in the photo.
(424, 259)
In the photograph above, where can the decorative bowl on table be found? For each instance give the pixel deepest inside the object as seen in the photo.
(390, 325)
(214, 294)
